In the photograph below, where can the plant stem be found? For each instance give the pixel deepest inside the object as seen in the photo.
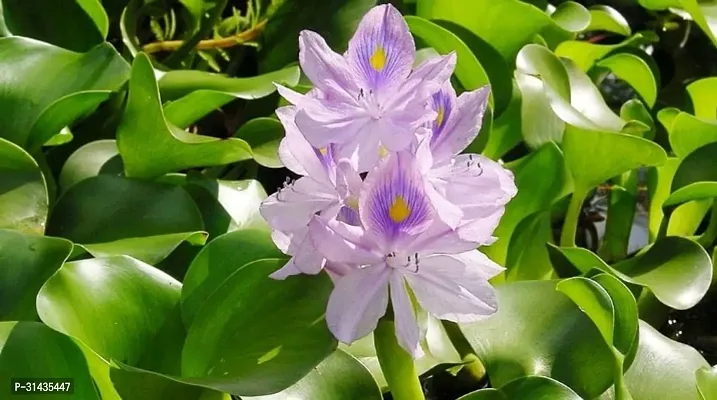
(570, 226)
(221, 43)
(396, 364)
(473, 364)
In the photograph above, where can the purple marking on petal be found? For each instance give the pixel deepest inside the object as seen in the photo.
(394, 206)
(349, 216)
(382, 50)
(442, 102)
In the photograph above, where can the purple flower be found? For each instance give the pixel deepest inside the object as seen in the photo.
(468, 191)
(327, 188)
(369, 99)
(401, 244)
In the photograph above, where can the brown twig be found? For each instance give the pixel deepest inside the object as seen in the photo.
(221, 43)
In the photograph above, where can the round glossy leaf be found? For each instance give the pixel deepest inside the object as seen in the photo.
(143, 219)
(635, 71)
(548, 336)
(92, 159)
(41, 76)
(71, 24)
(571, 16)
(663, 368)
(31, 350)
(688, 133)
(540, 124)
(218, 261)
(255, 335)
(625, 323)
(479, 17)
(263, 136)
(594, 301)
(119, 307)
(677, 270)
(469, 70)
(23, 195)
(339, 376)
(692, 192)
(150, 147)
(611, 155)
(707, 382)
(529, 387)
(703, 100)
(26, 261)
(606, 18)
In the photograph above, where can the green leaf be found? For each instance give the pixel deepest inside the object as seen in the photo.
(151, 147)
(479, 16)
(586, 54)
(677, 270)
(529, 387)
(335, 20)
(23, 194)
(625, 323)
(687, 133)
(571, 16)
(663, 368)
(26, 261)
(527, 254)
(119, 307)
(137, 384)
(227, 345)
(506, 132)
(635, 71)
(339, 376)
(611, 154)
(217, 261)
(707, 382)
(702, 13)
(594, 301)
(639, 119)
(699, 165)
(535, 194)
(63, 137)
(94, 158)
(606, 18)
(210, 87)
(703, 100)
(146, 220)
(58, 358)
(469, 70)
(228, 206)
(263, 136)
(548, 336)
(71, 24)
(46, 79)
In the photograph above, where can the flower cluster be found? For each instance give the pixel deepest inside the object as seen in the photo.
(386, 203)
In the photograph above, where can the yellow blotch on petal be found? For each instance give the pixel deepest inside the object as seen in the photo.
(441, 115)
(352, 202)
(399, 210)
(323, 151)
(378, 59)
(382, 151)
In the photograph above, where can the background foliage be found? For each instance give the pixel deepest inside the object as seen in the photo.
(138, 138)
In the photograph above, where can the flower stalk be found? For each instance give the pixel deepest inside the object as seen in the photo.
(220, 43)
(396, 364)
